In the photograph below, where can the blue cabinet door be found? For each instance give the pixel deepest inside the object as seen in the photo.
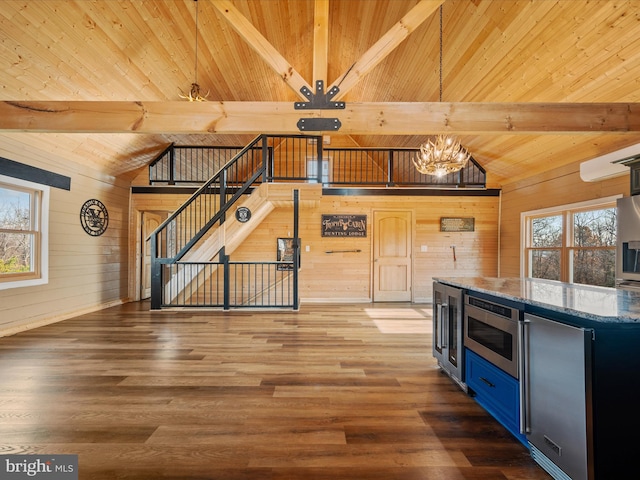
(496, 391)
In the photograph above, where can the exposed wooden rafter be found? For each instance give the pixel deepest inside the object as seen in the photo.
(262, 47)
(361, 67)
(385, 45)
(358, 118)
(320, 41)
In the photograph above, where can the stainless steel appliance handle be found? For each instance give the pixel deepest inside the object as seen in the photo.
(523, 375)
(438, 320)
(445, 322)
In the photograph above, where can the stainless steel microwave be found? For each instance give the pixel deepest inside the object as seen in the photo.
(628, 242)
(492, 331)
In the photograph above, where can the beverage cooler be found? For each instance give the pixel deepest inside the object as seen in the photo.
(447, 331)
(557, 397)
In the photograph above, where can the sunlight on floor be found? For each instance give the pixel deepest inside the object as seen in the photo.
(402, 320)
(404, 326)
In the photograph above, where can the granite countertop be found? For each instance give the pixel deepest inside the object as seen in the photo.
(601, 304)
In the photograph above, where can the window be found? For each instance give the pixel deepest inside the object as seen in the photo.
(23, 233)
(312, 170)
(574, 243)
(546, 247)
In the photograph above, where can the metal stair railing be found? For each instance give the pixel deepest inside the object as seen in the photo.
(391, 167)
(339, 167)
(189, 165)
(229, 284)
(268, 158)
(206, 208)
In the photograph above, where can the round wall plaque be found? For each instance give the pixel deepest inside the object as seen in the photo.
(243, 214)
(94, 217)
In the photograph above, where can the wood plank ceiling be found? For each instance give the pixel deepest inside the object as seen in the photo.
(526, 85)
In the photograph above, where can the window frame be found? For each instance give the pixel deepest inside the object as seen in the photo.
(567, 247)
(39, 228)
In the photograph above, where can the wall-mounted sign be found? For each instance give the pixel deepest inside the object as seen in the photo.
(243, 214)
(94, 217)
(457, 224)
(344, 225)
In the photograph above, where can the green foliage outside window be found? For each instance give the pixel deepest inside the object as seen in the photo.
(13, 265)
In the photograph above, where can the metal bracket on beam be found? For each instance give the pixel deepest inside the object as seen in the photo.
(318, 124)
(319, 100)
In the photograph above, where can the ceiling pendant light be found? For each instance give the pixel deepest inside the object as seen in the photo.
(441, 156)
(444, 154)
(194, 93)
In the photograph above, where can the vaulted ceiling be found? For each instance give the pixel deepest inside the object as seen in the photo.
(526, 85)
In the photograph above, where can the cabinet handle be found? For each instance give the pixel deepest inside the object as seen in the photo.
(487, 382)
(523, 370)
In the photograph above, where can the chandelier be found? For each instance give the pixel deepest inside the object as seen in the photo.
(443, 155)
(194, 93)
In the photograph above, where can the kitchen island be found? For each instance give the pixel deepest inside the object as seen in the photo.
(586, 302)
(577, 350)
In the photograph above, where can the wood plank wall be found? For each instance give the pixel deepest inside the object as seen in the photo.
(86, 273)
(561, 186)
(347, 277)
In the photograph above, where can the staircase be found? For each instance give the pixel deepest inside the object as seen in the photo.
(230, 235)
(184, 269)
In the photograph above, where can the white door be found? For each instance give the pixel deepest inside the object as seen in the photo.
(392, 256)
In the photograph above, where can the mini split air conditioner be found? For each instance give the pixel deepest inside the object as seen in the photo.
(609, 165)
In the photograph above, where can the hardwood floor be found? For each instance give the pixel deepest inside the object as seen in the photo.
(329, 392)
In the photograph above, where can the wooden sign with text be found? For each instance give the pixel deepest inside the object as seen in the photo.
(344, 225)
(457, 224)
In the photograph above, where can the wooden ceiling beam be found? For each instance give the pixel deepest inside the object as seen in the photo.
(262, 47)
(384, 46)
(320, 41)
(280, 117)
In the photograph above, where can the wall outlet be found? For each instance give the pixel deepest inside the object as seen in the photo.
(423, 248)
